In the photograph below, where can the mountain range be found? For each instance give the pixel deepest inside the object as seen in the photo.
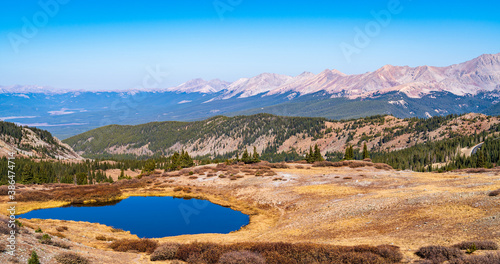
(402, 91)
(481, 74)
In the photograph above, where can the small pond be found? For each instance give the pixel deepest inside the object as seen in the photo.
(152, 217)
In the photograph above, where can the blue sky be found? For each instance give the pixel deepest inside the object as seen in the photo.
(110, 44)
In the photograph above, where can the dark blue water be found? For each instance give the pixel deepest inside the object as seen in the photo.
(152, 217)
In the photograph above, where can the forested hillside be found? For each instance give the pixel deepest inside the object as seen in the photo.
(32, 142)
(287, 138)
(214, 136)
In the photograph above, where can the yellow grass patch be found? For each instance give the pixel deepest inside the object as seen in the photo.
(329, 190)
(25, 207)
(447, 212)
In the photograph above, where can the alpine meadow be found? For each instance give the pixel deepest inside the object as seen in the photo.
(250, 132)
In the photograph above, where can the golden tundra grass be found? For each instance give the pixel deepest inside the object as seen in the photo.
(407, 209)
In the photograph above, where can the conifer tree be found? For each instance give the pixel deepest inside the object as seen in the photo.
(81, 178)
(174, 161)
(34, 258)
(481, 159)
(149, 166)
(349, 153)
(122, 174)
(27, 175)
(366, 154)
(310, 155)
(317, 154)
(255, 156)
(245, 157)
(185, 160)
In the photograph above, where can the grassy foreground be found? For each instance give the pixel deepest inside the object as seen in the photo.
(297, 203)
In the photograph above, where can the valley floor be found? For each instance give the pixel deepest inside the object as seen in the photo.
(333, 205)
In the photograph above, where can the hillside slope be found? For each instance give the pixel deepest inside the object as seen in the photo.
(32, 142)
(274, 134)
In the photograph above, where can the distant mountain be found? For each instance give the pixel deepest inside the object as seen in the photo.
(481, 74)
(402, 91)
(273, 134)
(200, 86)
(21, 89)
(32, 142)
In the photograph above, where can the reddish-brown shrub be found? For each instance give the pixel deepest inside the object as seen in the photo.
(476, 170)
(480, 245)
(388, 252)
(299, 167)
(490, 258)
(177, 189)
(439, 253)
(129, 184)
(322, 164)
(280, 165)
(29, 196)
(277, 253)
(4, 190)
(140, 245)
(494, 193)
(260, 166)
(79, 194)
(270, 173)
(62, 228)
(241, 257)
(382, 166)
(104, 238)
(347, 178)
(221, 167)
(70, 258)
(4, 225)
(74, 194)
(165, 251)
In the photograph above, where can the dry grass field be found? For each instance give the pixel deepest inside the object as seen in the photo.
(326, 205)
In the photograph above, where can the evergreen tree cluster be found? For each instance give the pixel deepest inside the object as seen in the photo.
(178, 161)
(29, 171)
(349, 153)
(314, 155)
(420, 157)
(248, 158)
(11, 129)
